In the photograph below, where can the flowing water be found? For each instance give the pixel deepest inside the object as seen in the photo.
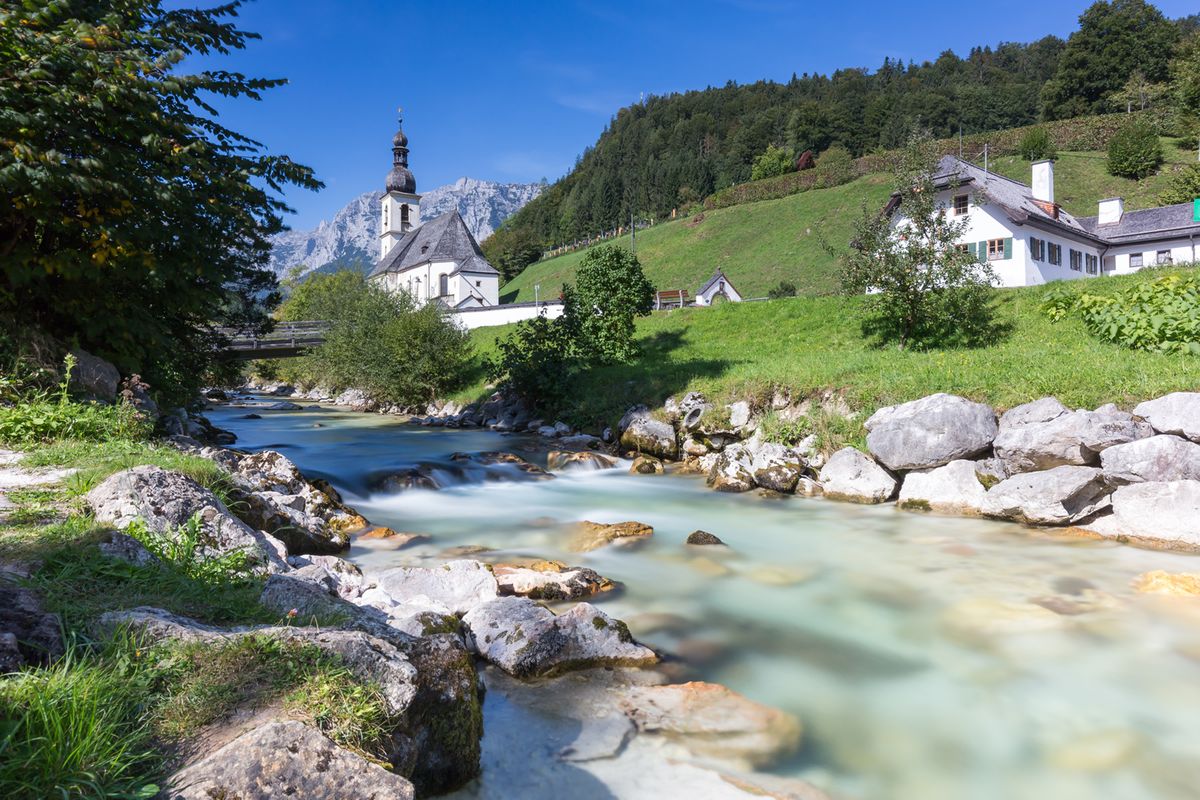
(928, 658)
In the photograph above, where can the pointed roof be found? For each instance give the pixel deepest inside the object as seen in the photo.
(443, 238)
(716, 276)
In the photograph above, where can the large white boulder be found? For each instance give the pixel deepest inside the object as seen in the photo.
(950, 489)
(1158, 458)
(165, 501)
(854, 476)
(930, 432)
(641, 433)
(453, 588)
(1057, 496)
(525, 639)
(733, 470)
(1028, 443)
(1177, 413)
(1043, 410)
(1160, 513)
(777, 467)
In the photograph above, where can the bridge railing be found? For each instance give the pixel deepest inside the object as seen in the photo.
(289, 337)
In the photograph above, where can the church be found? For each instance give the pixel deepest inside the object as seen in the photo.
(438, 261)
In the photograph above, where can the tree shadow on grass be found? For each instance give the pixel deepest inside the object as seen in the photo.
(509, 297)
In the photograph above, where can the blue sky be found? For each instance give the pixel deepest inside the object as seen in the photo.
(514, 91)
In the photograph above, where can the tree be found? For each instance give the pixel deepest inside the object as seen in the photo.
(1036, 145)
(1137, 94)
(132, 223)
(1115, 39)
(1134, 151)
(1184, 186)
(774, 161)
(1185, 83)
(610, 291)
(511, 250)
(538, 361)
(925, 289)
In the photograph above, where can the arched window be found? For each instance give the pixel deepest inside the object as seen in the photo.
(444, 285)
(404, 217)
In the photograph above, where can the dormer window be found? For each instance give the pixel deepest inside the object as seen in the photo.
(961, 204)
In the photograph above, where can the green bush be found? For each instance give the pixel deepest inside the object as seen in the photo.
(538, 362)
(834, 167)
(611, 289)
(1037, 145)
(1135, 151)
(1161, 315)
(781, 290)
(1184, 186)
(774, 161)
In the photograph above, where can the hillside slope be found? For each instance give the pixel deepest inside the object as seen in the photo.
(756, 244)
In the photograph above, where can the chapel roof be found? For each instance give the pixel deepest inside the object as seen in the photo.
(443, 238)
(716, 276)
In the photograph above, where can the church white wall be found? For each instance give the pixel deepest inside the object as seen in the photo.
(486, 287)
(391, 218)
(505, 314)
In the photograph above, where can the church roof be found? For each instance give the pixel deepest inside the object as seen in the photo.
(443, 238)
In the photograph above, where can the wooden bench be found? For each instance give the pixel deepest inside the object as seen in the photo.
(672, 298)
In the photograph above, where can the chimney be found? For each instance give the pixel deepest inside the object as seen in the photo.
(1043, 181)
(1111, 211)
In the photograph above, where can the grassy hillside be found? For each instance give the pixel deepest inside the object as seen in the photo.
(757, 244)
(760, 244)
(808, 344)
(1081, 179)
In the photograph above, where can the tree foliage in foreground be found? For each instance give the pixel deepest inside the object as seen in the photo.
(542, 357)
(925, 290)
(392, 347)
(131, 222)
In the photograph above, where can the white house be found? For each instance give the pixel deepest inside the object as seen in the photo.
(1029, 239)
(439, 261)
(718, 287)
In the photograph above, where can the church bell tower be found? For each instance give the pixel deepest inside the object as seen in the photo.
(401, 207)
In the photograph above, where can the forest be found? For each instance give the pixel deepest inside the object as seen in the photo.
(669, 152)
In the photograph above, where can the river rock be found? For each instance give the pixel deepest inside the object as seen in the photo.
(777, 467)
(94, 377)
(739, 414)
(28, 633)
(453, 588)
(1074, 438)
(593, 535)
(1158, 458)
(930, 432)
(1057, 496)
(646, 465)
(643, 434)
(583, 461)
(1160, 513)
(950, 489)
(550, 580)
(854, 476)
(526, 639)
(703, 538)
(1043, 410)
(732, 470)
(392, 539)
(1182, 584)
(419, 477)
(164, 501)
(713, 721)
(285, 759)
(1177, 413)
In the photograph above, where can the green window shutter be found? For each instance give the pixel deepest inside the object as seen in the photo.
(1008, 247)
(983, 251)
(971, 249)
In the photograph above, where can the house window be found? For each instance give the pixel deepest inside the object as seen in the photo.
(960, 205)
(963, 248)
(1163, 257)
(1037, 249)
(995, 249)
(1077, 261)
(443, 285)
(1135, 260)
(1055, 253)
(1093, 264)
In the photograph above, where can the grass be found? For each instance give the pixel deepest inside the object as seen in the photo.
(756, 244)
(760, 244)
(97, 460)
(809, 345)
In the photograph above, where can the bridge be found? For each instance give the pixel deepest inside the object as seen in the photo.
(287, 340)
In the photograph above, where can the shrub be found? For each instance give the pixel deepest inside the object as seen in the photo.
(774, 161)
(1184, 186)
(1161, 315)
(537, 361)
(1134, 152)
(834, 167)
(611, 289)
(1036, 145)
(782, 289)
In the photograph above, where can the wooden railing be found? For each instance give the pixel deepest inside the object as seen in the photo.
(287, 340)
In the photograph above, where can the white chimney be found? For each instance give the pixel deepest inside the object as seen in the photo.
(1111, 211)
(1043, 181)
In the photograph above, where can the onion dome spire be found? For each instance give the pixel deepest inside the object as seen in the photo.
(400, 179)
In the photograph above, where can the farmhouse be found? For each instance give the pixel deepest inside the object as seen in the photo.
(439, 261)
(1029, 239)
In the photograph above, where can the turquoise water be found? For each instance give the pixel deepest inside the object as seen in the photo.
(928, 658)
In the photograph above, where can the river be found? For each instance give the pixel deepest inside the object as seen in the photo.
(928, 658)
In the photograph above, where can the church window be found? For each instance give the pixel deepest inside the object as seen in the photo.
(444, 285)
(404, 215)
(478, 283)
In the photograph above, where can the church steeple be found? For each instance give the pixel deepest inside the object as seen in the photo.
(401, 206)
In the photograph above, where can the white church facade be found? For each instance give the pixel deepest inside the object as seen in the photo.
(1029, 239)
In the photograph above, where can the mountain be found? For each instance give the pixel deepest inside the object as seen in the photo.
(351, 238)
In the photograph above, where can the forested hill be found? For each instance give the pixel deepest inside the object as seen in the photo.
(671, 151)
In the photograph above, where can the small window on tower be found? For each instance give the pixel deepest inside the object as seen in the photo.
(478, 284)
(403, 215)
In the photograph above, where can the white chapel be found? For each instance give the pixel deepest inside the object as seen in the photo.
(438, 261)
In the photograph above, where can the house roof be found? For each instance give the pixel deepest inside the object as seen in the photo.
(443, 238)
(716, 276)
(1167, 222)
